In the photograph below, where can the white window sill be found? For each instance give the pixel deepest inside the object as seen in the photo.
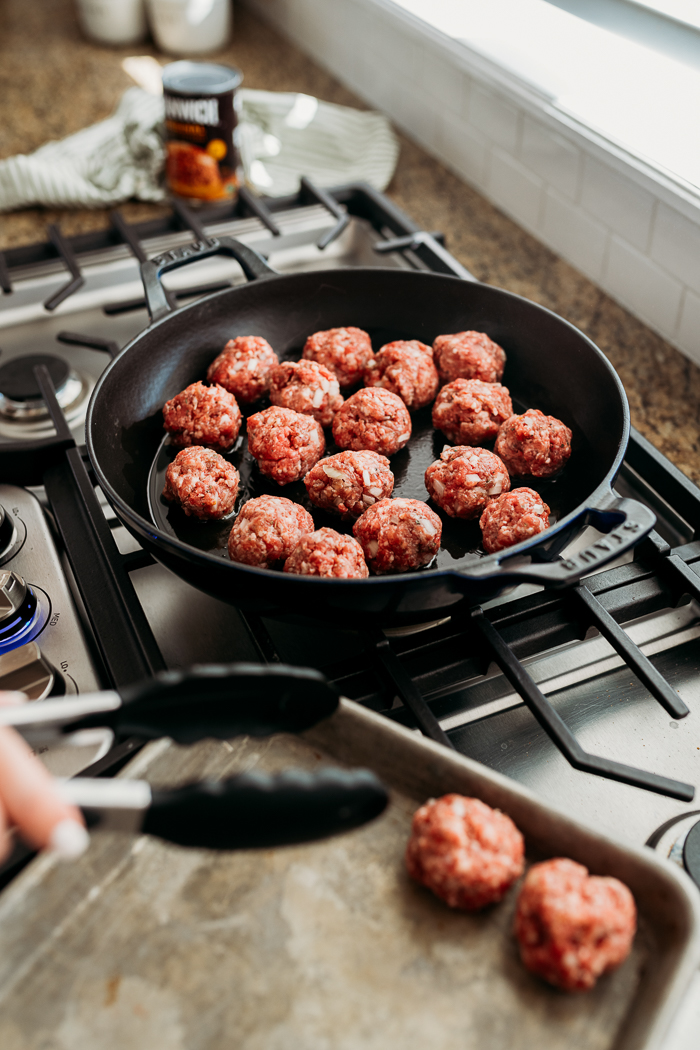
(641, 104)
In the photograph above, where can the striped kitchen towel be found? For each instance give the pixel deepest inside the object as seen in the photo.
(283, 136)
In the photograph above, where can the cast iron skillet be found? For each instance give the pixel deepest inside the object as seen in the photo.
(551, 366)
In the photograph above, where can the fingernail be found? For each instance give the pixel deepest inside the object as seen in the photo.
(69, 839)
(12, 696)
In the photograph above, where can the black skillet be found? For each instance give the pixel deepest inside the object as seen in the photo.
(551, 366)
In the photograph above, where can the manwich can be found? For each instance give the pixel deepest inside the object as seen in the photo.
(203, 161)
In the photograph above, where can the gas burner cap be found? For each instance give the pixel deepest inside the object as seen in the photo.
(20, 396)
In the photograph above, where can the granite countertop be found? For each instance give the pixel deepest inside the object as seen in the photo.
(54, 82)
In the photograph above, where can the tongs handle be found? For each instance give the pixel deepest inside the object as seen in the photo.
(219, 701)
(222, 701)
(251, 810)
(257, 810)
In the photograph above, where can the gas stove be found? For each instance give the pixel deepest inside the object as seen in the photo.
(568, 692)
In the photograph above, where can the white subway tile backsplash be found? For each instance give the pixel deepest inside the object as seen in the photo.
(643, 286)
(495, 118)
(515, 189)
(463, 150)
(441, 79)
(399, 49)
(617, 202)
(551, 157)
(675, 243)
(569, 231)
(413, 111)
(688, 338)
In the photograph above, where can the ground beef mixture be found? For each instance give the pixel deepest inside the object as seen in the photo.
(345, 351)
(286, 444)
(513, 517)
(327, 553)
(203, 415)
(468, 854)
(243, 367)
(398, 535)
(406, 368)
(469, 411)
(373, 419)
(465, 479)
(468, 355)
(266, 530)
(202, 482)
(307, 387)
(571, 926)
(533, 444)
(349, 482)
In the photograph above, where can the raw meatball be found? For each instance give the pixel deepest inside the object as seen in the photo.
(533, 444)
(286, 444)
(572, 926)
(307, 387)
(266, 530)
(468, 854)
(346, 351)
(513, 517)
(372, 419)
(202, 482)
(468, 355)
(398, 535)
(406, 368)
(349, 482)
(203, 415)
(244, 367)
(327, 553)
(465, 479)
(469, 412)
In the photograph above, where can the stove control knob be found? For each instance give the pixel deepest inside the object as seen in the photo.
(8, 532)
(26, 669)
(18, 609)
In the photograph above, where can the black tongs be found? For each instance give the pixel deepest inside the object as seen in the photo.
(249, 810)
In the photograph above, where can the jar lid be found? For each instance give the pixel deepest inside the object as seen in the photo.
(200, 78)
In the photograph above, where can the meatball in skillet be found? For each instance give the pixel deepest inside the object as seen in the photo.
(243, 367)
(202, 482)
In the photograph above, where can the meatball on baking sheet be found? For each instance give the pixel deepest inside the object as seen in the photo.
(460, 539)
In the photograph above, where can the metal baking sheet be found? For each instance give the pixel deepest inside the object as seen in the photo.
(328, 945)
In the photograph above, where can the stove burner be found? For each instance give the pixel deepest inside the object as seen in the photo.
(20, 396)
(17, 380)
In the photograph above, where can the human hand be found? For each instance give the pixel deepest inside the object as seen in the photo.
(30, 800)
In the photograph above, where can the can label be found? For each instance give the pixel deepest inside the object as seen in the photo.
(203, 160)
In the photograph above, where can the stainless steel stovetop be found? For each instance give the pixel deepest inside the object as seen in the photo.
(587, 682)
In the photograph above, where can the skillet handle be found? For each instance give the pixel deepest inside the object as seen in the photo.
(252, 264)
(623, 521)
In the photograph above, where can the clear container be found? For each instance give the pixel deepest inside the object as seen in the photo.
(190, 27)
(113, 21)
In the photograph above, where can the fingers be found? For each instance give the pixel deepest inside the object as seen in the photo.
(5, 834)
(11, 696)
(31, 800)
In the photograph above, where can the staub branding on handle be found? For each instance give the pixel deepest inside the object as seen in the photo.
(203, 161)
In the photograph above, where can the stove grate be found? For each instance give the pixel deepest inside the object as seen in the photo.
(415, 679)
(67, 254)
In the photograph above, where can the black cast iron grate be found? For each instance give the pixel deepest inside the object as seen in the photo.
(406, 679)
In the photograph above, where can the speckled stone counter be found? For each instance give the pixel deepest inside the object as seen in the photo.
(53, 82)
